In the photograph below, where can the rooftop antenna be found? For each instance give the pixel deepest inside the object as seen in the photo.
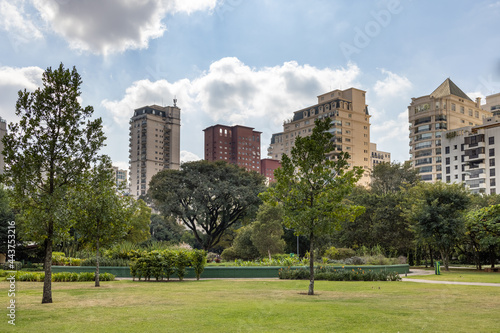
(175, 101)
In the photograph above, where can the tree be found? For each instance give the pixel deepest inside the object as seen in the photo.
(393, 177)
(267, 230)
(6, 217)
(311, 186)
(101, 215)
(438, 211)
(483, 228)
(138, 230)
(243, 247)
(165, 229)
(208, 197)
(46, 153)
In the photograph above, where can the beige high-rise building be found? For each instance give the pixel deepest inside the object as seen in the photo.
(350, 127)
(154, 144)
(446, 108)
(378, 156)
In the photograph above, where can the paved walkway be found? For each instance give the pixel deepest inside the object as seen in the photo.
(429, 272)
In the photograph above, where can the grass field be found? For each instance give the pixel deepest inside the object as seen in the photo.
(253, 306)
(461, 275)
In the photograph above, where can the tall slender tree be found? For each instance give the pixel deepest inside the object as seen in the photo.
(46, 153)
(312, 185)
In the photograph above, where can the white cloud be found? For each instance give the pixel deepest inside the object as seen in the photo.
(391, 135)
(187, 156)
(15, 20)
(109, 26)
(11, 81)
(393, 85)
(475, 94)
(231, 93)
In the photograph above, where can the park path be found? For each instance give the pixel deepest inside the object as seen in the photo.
(428, 272)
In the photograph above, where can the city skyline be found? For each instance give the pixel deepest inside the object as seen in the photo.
(249, 63)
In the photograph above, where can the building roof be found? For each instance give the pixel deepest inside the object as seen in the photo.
(449, 88)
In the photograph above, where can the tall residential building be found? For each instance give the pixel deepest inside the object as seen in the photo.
(378, 156)
(350, 127)
(154, 144)
(492, 104)
(446, 108)
(3, 132)
(472, 155)
(267, 167)
(121, 179)
(239, 145)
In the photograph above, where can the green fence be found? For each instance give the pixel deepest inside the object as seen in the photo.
(225, 272)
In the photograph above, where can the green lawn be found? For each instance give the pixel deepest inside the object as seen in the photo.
(461, 275)
(253, 305)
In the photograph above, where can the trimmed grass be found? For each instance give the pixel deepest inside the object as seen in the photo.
(252, 305)
(461, 275)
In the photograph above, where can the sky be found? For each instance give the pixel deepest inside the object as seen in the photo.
(249, 62)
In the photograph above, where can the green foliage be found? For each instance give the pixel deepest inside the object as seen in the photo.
(393, 177)
(6, 216)
(164, 263)
(60, 259)
(267, 230)
(165, 229)
(198, 261)
(208, 196)
(339, 274)
(138, 228)
(46, 153)
(105, 262)
(62, 277)
(483, 232)
(437, 209)
(312, 185)
(243, 247)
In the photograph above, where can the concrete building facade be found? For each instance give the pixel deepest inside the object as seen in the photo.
(239, 145)
(154, 144)
(121, 179)
(471, 155)
(378, 156)
(350, 127)
(446, 108)
(267, 167)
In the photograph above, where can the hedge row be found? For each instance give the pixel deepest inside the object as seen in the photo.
(164, 263)
(63, 277)
(334, 274)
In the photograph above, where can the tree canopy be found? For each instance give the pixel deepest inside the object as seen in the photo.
(208, 197)
(46, 153)
(311, 186)
(393, 177)
(438, 211)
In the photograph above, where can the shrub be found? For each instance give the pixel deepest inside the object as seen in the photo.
(12, 266)
(181, 262)
(344, 253)
(62, 276)
(229, 254)
(198, 261)
(212, 256)
(355, 261)
(335, 274)
(104, 262)
(331, 253)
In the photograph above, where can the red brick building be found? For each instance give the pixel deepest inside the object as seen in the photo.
(267, 167)
(237, 144)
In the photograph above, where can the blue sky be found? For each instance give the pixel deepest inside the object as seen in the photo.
(249, 62)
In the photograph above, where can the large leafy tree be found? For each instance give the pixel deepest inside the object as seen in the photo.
(139, 225)
(46, 153)
(312, 185)
(101, 216)
(267, 230)
(165, 229)
(438, 211)
(483, 231)
(6, 217)
(393, 177)
(208, 197)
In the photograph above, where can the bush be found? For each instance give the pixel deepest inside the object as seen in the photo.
(335, 274)
(331, 253)
(16, 265)
(105, 262)
(198, 261)
(229, 254)
(344, 253)
(355, 261)
(63, 277)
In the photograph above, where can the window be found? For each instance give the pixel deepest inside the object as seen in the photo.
(453, 107)
(470, 112)
(447, 161)
(492, 172)
(447, 150)
(492, 162)
(462, 110)
(476, 114)
(448, 179)
(448, 170)
(491, 140)
(492, 182)
(492, 152)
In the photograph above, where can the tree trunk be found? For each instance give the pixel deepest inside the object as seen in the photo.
(269, 252)
(431, 254)
(493, 257)
(445, 256)
(97, 264)
(311, 265)
(47, 281)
